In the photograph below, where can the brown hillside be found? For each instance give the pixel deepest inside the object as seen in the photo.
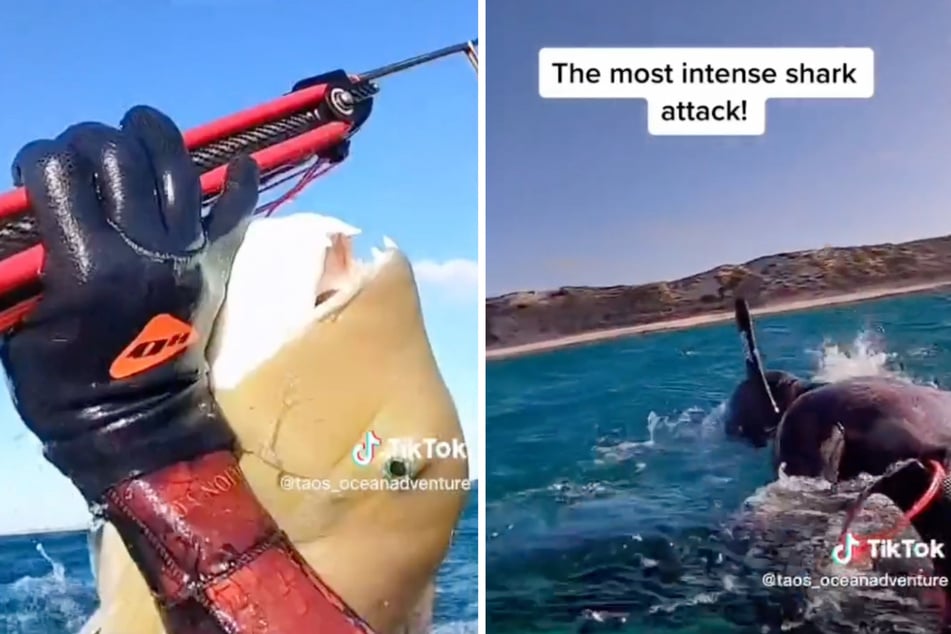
(533, 316)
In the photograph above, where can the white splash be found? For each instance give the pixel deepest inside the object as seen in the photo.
(864, 357)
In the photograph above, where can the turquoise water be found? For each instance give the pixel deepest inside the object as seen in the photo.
(46, 584)
(615, 503)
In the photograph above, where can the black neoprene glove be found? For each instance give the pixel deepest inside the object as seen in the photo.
(109, 371)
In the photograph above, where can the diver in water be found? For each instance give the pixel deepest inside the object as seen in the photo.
(109, 371)
(838, 429)
(884, 427)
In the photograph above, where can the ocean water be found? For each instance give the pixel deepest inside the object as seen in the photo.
(46, 584)
(615, 502)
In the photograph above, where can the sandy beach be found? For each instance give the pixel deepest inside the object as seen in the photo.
(699, 320)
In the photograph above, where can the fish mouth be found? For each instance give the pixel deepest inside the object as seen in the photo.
(342, 275)
(324, 296)
(290, 272)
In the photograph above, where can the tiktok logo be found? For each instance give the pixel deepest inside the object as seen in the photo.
(842, 553)
(363, 452)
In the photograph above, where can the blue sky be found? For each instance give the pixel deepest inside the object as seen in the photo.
(412, 173)
(578, 193)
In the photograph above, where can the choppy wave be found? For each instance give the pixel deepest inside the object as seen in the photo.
(43, 592)
(46, 585)
(632, 512)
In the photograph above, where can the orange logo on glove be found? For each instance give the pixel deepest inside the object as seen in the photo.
(161, 339)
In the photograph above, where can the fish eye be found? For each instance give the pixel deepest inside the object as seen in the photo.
(398, 467)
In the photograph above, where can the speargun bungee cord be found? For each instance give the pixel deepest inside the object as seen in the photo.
(301, 135)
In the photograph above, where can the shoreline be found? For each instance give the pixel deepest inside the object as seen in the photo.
(683, 323)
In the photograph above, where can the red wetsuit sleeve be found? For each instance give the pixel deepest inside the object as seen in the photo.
(215, 560)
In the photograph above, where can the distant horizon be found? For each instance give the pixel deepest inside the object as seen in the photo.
(71, 528)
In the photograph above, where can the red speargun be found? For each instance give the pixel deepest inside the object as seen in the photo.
(300, 135)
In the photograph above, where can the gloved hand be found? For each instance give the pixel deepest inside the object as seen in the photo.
(109, 371)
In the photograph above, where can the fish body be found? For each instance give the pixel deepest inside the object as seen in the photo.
(314, 353)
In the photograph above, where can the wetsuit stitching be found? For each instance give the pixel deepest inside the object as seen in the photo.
(204, 581)
(144, 529)
(167, 560)
(196, 589)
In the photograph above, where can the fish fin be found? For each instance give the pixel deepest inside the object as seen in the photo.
(94, 545)
(420, 619)
(831, 451)
(93, 625)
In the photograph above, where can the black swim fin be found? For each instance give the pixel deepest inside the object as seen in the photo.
(754, 366)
